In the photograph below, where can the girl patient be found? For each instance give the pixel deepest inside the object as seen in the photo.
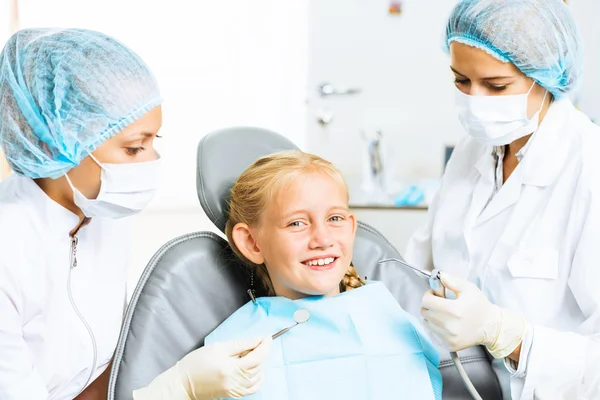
(290, 225)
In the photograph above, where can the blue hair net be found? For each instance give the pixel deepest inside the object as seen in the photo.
(538, 36)
(63, 92)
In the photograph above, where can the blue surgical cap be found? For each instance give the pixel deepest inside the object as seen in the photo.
(63, 92)
(538, 36)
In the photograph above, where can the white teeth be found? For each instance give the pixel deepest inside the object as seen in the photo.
(321, 261)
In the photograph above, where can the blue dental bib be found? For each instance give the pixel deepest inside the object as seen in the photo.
(358, 345)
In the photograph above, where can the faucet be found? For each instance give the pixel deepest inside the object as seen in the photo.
(375, 158)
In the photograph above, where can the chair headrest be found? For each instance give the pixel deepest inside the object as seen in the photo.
(222, 157)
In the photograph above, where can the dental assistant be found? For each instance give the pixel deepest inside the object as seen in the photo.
(515, 226)
(79, 113)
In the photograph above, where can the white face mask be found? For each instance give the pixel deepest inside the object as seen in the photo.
(125, 190)
(497, 120)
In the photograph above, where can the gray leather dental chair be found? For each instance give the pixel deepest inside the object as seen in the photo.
(194, 282)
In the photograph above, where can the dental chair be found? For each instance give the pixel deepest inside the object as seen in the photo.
(194, 282)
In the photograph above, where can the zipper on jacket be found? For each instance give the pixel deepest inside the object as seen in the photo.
(74, 243)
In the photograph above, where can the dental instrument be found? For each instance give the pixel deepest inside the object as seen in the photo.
(300, 316)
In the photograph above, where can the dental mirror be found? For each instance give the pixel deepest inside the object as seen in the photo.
(300, 316)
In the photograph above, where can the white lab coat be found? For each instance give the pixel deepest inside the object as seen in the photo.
(534, 248)
(46, 351)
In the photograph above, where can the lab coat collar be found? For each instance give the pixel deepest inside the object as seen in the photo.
(486, 164)
(506, 197)
(52, 215)
(482, 208)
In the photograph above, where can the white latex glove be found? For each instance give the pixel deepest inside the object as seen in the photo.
(212, 372)
(471, 319)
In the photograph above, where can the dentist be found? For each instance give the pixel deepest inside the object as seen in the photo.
(79, 113)
(515, 226)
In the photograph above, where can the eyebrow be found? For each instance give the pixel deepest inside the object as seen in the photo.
(295, 212)
(331, 209)
(489, 78)
(136, 136)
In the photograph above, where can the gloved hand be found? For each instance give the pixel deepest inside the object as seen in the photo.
(212, 372)
(471, 319)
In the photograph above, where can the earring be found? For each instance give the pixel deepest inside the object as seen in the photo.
(251, 292)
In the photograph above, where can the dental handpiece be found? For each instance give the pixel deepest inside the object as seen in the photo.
(435, 283)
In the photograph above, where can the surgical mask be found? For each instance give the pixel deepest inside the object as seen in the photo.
(125, 190)
(497, 120)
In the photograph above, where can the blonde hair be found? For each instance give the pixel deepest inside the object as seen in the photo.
(258, 185)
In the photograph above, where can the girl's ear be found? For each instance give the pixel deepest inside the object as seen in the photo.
(246, 243)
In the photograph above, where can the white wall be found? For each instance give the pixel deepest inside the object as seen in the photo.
(404, 74)
(219, 64)
(586, 13)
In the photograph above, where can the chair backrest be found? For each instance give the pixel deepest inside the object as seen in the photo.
(194, 282)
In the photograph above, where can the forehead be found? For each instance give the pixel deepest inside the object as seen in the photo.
(311, 190)
(148, 124)
(469, 60)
